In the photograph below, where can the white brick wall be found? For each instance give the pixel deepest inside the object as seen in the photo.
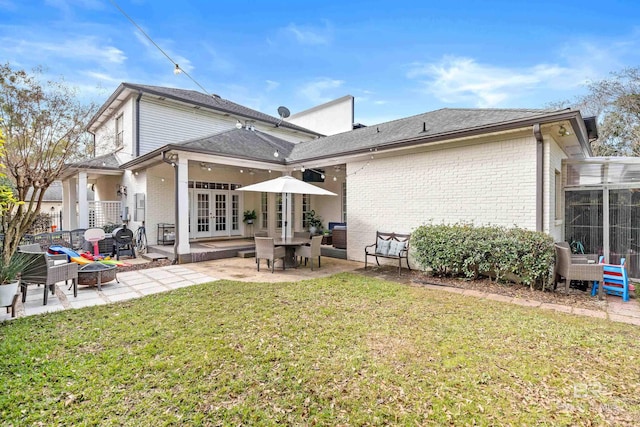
(493, 182)
(553, 155)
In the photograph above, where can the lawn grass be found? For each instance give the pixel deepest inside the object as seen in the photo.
(344, 350)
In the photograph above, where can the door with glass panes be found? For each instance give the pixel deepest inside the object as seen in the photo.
(215, 213)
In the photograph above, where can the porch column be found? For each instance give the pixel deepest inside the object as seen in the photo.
(69, 200)
(182, 198)
(83, 204)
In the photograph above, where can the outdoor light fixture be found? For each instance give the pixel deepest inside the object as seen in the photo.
(177, 70)
(238, 124)
(302, 169)
(563, 131)
(276, 153)
(335, 178)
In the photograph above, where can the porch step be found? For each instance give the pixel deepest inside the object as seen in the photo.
(249, 253)
(154, 256)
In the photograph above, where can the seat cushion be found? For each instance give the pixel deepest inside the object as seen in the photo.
(382, 246)
(396, 247)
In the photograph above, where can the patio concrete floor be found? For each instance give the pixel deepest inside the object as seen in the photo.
(135, 284)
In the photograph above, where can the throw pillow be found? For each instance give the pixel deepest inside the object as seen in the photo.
(396, 247)
(382, 247)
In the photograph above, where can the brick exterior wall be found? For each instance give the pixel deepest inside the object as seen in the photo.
(490, 182)
(553, 155)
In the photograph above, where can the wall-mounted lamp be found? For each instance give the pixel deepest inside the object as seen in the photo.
(122, 191)
(563, 131)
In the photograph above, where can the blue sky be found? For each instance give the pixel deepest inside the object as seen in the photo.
(397, 58)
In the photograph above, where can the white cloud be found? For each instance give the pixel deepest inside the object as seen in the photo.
(463, 80)
(155, 53)
(80, 48)
(319, 90)
(271, 85)
(308, 35)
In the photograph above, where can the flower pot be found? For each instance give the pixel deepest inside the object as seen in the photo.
(249, 221)
(7, 292)
(313, 230)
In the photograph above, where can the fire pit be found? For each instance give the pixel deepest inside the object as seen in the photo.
(96, 274)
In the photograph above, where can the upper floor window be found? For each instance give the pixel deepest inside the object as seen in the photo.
(119, 131)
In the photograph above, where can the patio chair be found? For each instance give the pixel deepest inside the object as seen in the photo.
(302, 234)
(48, 270)
(265, 249)
(310, 252)
(574, 269)
(615, 280)
(261, 234)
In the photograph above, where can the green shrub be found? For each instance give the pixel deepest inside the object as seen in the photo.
(468, 251)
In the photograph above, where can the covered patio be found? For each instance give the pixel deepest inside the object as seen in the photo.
(602, 208)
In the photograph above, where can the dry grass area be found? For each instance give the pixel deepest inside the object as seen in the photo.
(575, 297)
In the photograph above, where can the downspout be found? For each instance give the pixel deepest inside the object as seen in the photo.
(137, 146)
(176, 212)
(537, 133)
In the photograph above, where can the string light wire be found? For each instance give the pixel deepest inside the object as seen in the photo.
(158, 47)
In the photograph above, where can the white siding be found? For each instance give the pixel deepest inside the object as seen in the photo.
(162, 123)
(489, 183)
(106, 134)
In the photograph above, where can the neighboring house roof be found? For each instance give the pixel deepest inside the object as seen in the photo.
(196, 98)
(435, 125)
(54, 193)
(239, 143)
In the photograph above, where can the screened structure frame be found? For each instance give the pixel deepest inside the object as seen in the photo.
(602, 208)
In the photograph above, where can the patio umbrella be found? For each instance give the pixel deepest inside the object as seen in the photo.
(288, 185)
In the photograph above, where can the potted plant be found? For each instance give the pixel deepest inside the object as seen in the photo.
(9, 277)
(314, 222)
(249, 216)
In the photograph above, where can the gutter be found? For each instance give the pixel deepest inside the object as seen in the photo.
(137, 130)
(537, 133)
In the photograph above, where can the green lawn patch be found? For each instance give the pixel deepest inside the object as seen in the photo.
(344, 350)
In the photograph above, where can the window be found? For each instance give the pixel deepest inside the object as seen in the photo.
(344, 201)
(279, 220)
(264, 208)
(306, 207)
(119, 131)
(558, 195)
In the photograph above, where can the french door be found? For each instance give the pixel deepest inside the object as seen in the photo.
(214, 213)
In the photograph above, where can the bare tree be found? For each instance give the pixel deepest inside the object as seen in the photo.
(616, 103)
(44, 129)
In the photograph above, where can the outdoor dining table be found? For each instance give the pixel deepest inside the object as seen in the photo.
(290, 244)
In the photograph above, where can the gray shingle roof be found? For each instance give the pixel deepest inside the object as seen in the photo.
(243, 143)
(203, 100)
(107, 161)
(422, 126)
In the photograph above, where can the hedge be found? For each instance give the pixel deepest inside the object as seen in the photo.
(465, 250)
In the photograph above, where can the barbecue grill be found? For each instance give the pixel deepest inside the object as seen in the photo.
(123, 242)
